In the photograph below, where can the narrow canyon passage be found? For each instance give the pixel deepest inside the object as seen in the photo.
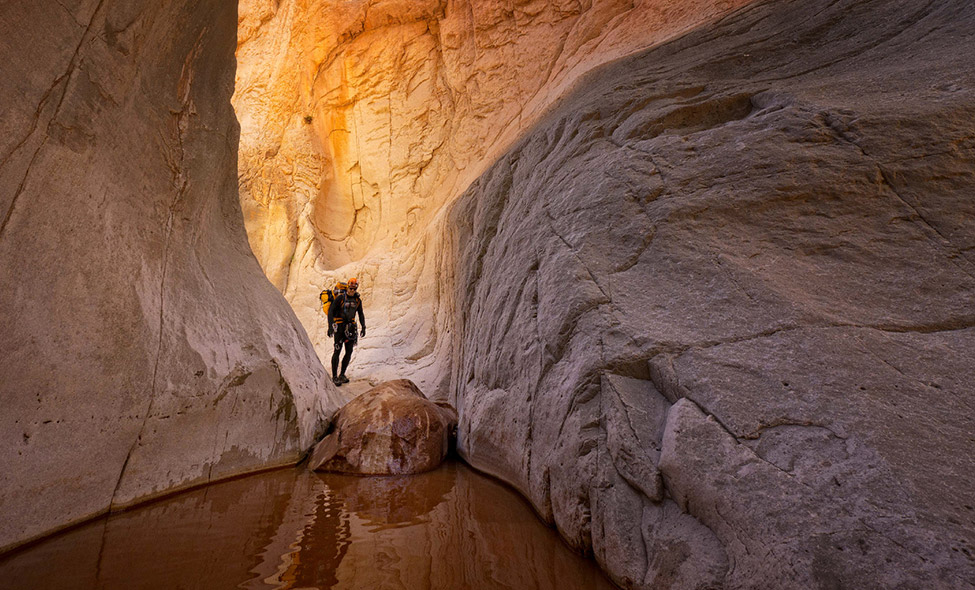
(696, 277)
(363, 121)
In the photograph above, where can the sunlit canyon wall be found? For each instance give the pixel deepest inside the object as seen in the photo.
(142, 349)
(711, 311)
(361, 120)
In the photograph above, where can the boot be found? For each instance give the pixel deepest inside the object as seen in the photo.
(338, 381)
(343, 378)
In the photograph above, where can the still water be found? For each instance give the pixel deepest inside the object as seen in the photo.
(448, 529)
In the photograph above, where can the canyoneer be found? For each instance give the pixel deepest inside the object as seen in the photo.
(341, 324)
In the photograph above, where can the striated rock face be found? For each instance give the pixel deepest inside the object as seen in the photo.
(360, 120)
(142, 349)
(715, 314)
(392, 429)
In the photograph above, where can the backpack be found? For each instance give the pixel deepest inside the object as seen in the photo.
(329, 295)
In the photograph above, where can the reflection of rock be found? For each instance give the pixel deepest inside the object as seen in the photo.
(391, 429)
(289, 528)
(450, 528)
(394, 500)
(217, 536)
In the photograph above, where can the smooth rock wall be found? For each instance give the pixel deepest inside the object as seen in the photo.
(715, 314)
(141, 348)
(361, 120)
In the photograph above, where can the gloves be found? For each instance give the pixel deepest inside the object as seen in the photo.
(331, 330)
(363, 331)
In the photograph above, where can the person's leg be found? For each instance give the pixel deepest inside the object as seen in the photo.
(335, 356)
(349, 345)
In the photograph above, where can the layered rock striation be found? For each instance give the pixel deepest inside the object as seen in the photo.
(142, 349)
(715, 313)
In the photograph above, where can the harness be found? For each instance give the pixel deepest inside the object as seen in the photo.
(348, 310)
(346, 329)
(347, 333)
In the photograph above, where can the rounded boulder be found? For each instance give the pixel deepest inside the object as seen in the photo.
(392, 429)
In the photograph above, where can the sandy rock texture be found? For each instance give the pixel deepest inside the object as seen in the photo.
(392, 429)
(142, 349)
(716, 311)
(360, 120)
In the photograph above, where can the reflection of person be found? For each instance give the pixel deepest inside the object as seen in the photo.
(341, 324)
(324, 542)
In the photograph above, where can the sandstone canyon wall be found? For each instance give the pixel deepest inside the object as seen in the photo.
(361, 120)
(716, 312)
(142, 348)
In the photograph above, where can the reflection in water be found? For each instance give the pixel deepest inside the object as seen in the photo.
(291, 529)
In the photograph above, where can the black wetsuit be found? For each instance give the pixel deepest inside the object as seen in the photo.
(341, 314)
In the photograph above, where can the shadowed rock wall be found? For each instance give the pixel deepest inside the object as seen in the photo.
(142, 348)
(716, 312)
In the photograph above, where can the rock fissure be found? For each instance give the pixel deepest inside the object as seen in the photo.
(757, 433)
(942, 241)
(67, 76)
(939, 327)
(36, 119)
(121, 474)
(606, 299)
(859, 51)
(20, 190)
(72, 65)
(180, 182)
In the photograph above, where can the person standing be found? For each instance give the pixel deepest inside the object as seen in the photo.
(341, 324)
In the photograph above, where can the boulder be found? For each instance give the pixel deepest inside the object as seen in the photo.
(392, 429)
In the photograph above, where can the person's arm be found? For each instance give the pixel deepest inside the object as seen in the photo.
(362, 317)
(331, 315)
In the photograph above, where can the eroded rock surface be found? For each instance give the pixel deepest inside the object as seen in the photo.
(361, 119)
(392, 429)
(142, 349)
(715, 314)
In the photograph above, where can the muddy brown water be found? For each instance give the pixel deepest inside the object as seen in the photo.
(448, 529)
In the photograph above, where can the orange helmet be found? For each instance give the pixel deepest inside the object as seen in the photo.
(353, 283)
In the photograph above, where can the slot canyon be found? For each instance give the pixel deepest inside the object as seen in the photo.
(698, 278)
